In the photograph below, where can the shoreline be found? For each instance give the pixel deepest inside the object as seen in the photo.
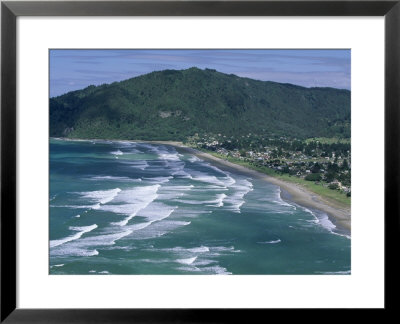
(338, 214)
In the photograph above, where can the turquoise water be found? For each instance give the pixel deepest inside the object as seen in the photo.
(138, 208)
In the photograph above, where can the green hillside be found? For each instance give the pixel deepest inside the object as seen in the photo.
(175, 104)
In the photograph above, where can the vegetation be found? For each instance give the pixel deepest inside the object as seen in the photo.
(328, 140)
(313, 177)
(320, 167)
(299, 134)
(177, 104)
(320, 189)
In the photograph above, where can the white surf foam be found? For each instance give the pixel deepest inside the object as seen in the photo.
(88, 253)
(137, 227)
(224, 249)
(218, 170)
(236, 199)
(189, 268)
(179, 223)
(194, 159)
(187, 261)
(96, 206)
(205, 262)
(101, 196)
(210, 188)
(172, 192)
(112, 178)
(117, 152)
(164, 153)
(280, 201)
(182, 250)
(178, 188)
(228, 181)
(158, 228)
(187, 212)
(81, 230)
(323, 220)
(141, 164)
(182, 174)
(72, 251)
(200, 176)
(158, 180)
(156, 211)
(195, 202)
(326, 223)
(129, 202)
(199, 249)
(87, 246)
(270, 242)
(125, 221)
(125, 143)
(102, 240)
(218, 270)
(169, 156)
(220, 200)
(346, 272)
(217, 202)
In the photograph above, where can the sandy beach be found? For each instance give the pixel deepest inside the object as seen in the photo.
(339, 214)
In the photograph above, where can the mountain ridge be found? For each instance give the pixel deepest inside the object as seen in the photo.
(176, 104)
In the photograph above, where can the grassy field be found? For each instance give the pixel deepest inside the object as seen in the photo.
(310, 185)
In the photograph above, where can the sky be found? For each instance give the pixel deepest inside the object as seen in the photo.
(76, 69)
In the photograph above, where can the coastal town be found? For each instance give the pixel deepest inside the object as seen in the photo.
(323, 161)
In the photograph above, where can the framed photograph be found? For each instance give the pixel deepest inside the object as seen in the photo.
(168, 161)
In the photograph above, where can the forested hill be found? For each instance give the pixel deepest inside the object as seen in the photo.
(175, 104)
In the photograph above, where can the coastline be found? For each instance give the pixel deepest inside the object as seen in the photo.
(338, 214)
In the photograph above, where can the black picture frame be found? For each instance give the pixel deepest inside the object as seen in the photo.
(10, 10)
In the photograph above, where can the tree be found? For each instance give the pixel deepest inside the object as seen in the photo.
(333, 167)
(333, 186)
(316, 168)
(313, 177)
(330, 176)
(345, 165)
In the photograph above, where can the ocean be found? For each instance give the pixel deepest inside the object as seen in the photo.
(127, 208)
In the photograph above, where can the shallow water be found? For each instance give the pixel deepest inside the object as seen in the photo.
(138, 208)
